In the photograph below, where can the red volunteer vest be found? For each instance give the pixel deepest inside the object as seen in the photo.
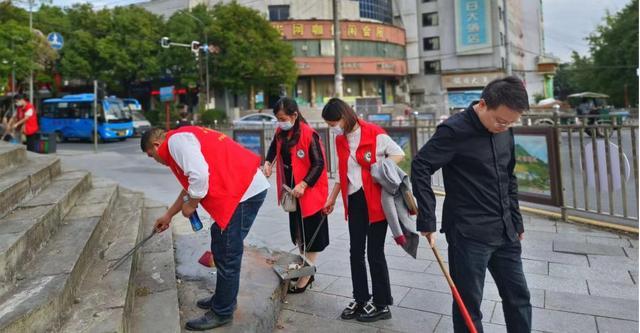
(31, 125)
(366, 157)
(314, 197)
(231, 170)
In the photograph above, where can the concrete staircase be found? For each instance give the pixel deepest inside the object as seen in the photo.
(59, 231)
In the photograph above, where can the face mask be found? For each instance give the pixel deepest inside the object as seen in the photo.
(285, 125)
(337, 130)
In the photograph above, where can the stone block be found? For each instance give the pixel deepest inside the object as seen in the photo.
(586, 248)
(609, 325)
(554, 321)
(593, 305)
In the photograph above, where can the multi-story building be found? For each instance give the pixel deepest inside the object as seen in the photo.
(464, 44)
(433, 54)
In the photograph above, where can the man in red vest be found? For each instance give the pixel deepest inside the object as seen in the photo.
(26, 115)
(225, 179)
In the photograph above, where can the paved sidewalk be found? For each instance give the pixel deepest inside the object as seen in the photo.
(581, 280)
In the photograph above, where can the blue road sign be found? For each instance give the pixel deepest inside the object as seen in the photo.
(55, 40)
(166, 94)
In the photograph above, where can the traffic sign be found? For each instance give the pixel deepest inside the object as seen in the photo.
(55, 40)
(166, 94)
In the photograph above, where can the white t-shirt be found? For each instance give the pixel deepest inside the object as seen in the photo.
(184, 147)
(385, 146)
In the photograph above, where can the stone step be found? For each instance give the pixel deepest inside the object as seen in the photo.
(25, 229)
(11, 155)
(37, 302)
(26, 180)
(104, 304)
(155, 307)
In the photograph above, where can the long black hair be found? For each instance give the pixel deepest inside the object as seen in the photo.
(289, 107)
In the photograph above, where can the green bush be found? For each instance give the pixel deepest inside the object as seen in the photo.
(209, 117)
(157, 116)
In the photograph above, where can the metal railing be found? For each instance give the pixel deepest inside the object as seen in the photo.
(597, 158)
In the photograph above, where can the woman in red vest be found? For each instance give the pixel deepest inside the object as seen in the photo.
(359, 144)
(26, 115)
(300, 164)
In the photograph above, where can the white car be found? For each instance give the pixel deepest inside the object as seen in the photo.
(140, 123)
(256, 120)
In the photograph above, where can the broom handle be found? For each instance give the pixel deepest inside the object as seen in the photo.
(456, 294)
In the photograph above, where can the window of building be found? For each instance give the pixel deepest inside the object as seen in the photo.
(279, 13)
(432, 67)
(431, 43)
(380, 10)
(429, 19)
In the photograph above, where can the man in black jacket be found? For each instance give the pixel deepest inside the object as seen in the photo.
(481, 217)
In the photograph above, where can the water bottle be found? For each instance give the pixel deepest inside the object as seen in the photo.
(196, 224)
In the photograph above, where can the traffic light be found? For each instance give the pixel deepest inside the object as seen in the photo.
(195, 47)
(165, 42)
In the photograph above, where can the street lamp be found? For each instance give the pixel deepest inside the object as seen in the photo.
(206, 53)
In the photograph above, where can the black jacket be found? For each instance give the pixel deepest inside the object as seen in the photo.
(481, 189)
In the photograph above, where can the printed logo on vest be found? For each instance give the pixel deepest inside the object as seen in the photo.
(300, 153)
(367, 156)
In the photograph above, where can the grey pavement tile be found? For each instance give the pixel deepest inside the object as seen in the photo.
(586, 248)
(446, 326)
(554, 321)
(331, 254)
(540, 225)
(593, 305)
(294, 322)
(408, 320)
(344, 287)
(557, 284)
(435, 302)
(609, 262)
(537, 244)
(535, 266)
(491, 293)
(408, 263)
(634, 242)
(551, 236)
(419, 280)
(622, 242)
(322, 281)
(634, 276)
(544, 255)
(590, 273)
(335, 268)
(319, 304)
(568, 228)
(611, 289)
(631, 253)
(609, 325)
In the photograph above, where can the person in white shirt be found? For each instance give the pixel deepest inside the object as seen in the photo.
(225, 179)
(359, 144)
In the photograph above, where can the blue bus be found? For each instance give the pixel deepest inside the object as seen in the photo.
(72, 117)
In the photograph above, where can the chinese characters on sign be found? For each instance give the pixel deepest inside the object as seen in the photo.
(473, 26)
(472, 80)
(350, 30)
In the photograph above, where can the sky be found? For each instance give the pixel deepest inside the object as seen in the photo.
(566, 22)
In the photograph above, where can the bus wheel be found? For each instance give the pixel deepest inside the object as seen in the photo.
(122, 139)
(60, 137)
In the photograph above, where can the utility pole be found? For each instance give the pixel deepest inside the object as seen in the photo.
(337, 49)
(507, 45)
(31, 64)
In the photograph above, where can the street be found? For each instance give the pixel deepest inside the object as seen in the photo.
(581, 279)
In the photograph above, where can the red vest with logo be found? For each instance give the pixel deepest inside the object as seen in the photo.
(231, 170)
(366, 157)
(314, 197)
(31, 125)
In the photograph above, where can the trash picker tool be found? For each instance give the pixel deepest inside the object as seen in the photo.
(128, 254)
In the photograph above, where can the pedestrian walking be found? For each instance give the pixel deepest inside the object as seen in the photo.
(481, 216)
(359, 145)
(300, 164)
(225, 179)
(26, 119)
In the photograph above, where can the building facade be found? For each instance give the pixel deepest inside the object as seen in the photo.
(464, 44)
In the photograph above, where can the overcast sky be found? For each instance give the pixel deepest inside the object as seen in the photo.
(566, 22)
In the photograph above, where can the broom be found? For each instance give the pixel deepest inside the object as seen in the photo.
(454, 291)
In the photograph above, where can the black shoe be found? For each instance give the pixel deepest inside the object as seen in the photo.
(299, 290)
(208, 321)
(205, 303)
(352, 310)
(372, 312)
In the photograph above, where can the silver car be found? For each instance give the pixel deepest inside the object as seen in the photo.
(256, 120)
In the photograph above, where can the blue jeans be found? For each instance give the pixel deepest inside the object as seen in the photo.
(227, 247)
(468, 262)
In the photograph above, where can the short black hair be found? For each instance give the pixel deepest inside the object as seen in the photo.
(19, 97)
(149, 136)
(508, 91)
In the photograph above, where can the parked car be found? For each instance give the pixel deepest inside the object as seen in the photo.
(255, 120)
(140, 123)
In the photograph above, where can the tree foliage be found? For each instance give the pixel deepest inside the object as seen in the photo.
(612, 62)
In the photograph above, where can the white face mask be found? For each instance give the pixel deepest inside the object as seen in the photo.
(285, 125)
(337, 130)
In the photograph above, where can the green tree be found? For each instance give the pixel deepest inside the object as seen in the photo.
(613, 58)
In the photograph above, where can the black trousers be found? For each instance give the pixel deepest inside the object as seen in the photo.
(361, 234)
(468, 263)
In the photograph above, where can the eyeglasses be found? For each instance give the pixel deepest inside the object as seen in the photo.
(505, 123)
